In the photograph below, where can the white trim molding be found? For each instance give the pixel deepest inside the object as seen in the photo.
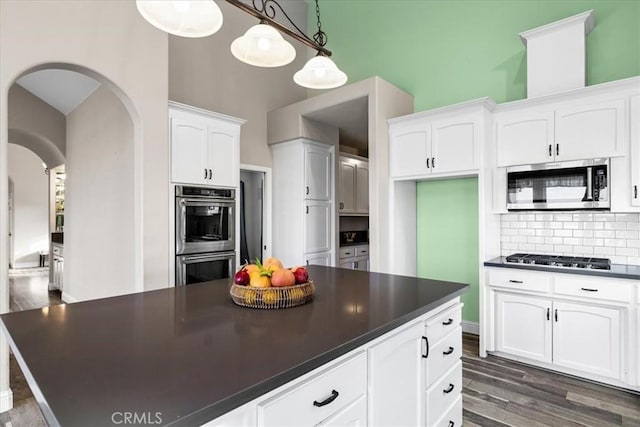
(6, 400)
(69, 299)
(471, 327)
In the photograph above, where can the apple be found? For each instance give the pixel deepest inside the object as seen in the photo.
(301, 274)
(283, 277)
(241, 278)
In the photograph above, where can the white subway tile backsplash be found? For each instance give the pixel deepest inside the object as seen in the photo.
(582, 233)
(604, 233)
(572, 241)
(563, 217)
(611, 235)
(620, 234)
(615, 225)
(627, 251)
(615, 243)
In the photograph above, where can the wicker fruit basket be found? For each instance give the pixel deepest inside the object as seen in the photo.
(272, 297)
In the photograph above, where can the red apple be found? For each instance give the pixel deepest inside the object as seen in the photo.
(241, 278)
(301, 274)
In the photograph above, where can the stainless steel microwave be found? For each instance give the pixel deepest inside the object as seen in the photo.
(582, 184)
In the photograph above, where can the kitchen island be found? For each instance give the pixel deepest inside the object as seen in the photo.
(187, 355)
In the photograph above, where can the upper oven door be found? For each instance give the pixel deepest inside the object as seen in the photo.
(569, 185)
(204, 225)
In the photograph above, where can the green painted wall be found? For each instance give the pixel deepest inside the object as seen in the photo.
(447, 229)
(449, 51)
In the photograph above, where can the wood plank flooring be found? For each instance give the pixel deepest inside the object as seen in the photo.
(496, 392)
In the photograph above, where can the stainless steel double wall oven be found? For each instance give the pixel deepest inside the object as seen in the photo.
(205, 234)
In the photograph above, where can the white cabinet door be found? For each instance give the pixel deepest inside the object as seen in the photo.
(318, 259)
(410, 149)
(395, 380)
(189, 150)
(635, 151)
(354, 415)
(523, 326)
(222, 154)
(347, 187)
(317, 173)
(362, 188)
(587, 131)
(587, 338)
(317, 227)
(524, 137)
(454, 146)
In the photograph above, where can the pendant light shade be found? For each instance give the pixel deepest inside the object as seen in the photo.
(186, 18)
(263, 46)
(320, 72)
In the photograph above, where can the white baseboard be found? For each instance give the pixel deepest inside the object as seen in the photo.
(30, 264)
(6, 400)
(471, 327)
(67, 298)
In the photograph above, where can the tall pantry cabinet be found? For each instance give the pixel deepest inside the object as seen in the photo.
(303, 202)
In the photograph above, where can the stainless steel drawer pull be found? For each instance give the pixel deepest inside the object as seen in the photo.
(516, 281)
(334, 396)
(448, 352)
(448, 322)
(448, 389)
(589, 289)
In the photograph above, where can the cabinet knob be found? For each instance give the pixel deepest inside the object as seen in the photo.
(307, 189)
(550, 151)
(449, 389)
(556, 314)
(205, 173)
(433, 162)
(557, 149)
(448, 352)
(307, 209)
(448, 322)
(427, 163)
(210, 173)
(426, 342)
(635, 191)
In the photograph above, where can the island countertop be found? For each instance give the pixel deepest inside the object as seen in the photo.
(190, 354)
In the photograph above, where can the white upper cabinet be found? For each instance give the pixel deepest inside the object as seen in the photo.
(353, 186)
(635, 150)
(524, 137)
(590, 130)
(317, 175)
(205, 147)
(454, 145)
(582, 128)
(410, 144)
(437, 143)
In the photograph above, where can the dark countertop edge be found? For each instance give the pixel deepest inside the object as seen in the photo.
(498, 262)
(230, 403)
(47, 413)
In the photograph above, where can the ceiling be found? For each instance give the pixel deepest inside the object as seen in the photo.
(352, 119)
(63, 90)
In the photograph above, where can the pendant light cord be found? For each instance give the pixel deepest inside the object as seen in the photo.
(320, 37)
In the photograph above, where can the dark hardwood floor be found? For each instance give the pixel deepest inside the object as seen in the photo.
(496, 392)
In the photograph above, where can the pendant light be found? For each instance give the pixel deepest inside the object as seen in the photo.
(263, 46)
(320, 72)
(182, 17)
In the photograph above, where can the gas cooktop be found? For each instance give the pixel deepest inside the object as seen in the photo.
(561, 261)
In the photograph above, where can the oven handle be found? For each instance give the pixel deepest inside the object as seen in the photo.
(205, 203)
(192, 259)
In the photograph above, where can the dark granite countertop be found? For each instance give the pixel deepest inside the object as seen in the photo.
(621, 271)
(191, 354)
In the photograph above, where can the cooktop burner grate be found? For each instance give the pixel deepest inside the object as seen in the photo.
(561, 261)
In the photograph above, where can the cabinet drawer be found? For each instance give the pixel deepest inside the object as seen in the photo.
(443, 356)
(57, 250)
(594, 288)
(519, 279)
(453, 417)
(362, 250)
(347, 252)
(354, 415)
(298, 405)
(443, 323)
(442, 395)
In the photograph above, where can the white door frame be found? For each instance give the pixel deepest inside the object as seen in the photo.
(12, 223)
(266, 208)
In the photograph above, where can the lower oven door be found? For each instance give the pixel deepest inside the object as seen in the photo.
(199, 268)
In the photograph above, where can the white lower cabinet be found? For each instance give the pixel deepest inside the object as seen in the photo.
(523, 326)
(395, 386)
(443, 394)
(580, 326)
(587, 338)
(318, 259)
(453, 417)
(354, 415)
